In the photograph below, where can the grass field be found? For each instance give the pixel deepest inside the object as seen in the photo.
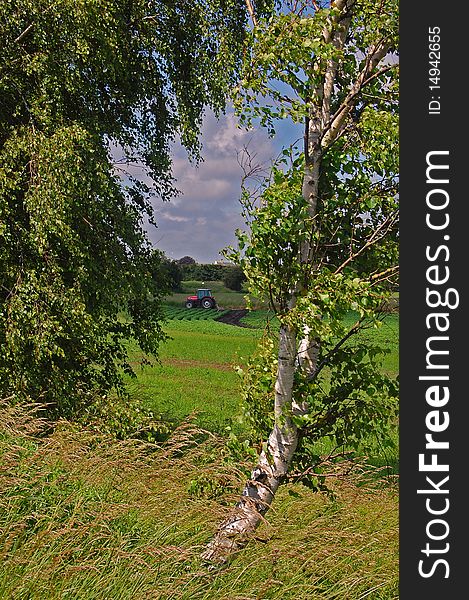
(86, 517)
(197, 370)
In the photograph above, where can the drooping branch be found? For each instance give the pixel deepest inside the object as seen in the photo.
(333, 129)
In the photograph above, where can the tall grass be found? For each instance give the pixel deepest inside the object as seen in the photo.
(84, 516)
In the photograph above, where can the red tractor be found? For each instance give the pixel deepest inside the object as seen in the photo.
(203, 298)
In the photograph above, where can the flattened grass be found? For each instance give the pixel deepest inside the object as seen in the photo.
(86, 517)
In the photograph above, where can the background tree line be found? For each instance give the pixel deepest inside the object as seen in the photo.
(176, 271)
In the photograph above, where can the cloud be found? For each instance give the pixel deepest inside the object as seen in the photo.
(176, 218)
(203, 218)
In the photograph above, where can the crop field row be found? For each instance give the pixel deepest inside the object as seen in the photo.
(258, 319)
(192, 314)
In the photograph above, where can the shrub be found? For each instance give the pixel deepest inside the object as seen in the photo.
(234, 278)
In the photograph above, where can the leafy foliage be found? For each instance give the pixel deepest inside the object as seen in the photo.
(82, 83)
(258, 396)
(234, 278)
(321, 234)
(187, 260)
(350, 401)
(172, 272)
(124, 418)
(204, 272)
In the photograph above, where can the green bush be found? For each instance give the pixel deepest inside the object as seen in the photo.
(234, 278)
(205, 272)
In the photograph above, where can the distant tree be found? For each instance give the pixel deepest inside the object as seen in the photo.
(76, 79)
(204, 272)
(234, 278)
(172, 273)
(187, 260)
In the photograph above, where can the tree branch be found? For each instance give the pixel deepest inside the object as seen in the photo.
(251, 12)
(336, 122)
(383, 275)
(376, 236)
(354, 329)
(25, 32)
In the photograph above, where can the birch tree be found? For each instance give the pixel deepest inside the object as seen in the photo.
(322, 237)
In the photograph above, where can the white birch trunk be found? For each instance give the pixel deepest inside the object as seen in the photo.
(318, 121)
(308, 346)
(272, 466)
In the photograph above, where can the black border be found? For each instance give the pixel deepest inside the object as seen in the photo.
(421, 132)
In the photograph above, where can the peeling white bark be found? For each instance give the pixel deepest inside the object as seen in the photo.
(272, 466)
(308, 352)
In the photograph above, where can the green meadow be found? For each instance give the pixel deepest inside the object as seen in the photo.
(197, 369)
(85, 516)
(197, 372)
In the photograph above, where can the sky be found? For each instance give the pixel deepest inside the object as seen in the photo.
(203, 218)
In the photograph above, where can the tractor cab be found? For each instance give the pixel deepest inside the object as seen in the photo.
(203, 297)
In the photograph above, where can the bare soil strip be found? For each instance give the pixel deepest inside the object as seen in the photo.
(233, 317)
